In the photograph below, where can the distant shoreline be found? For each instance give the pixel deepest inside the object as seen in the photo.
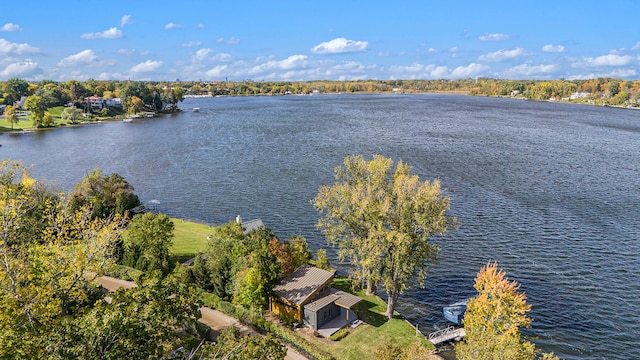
(5, 130)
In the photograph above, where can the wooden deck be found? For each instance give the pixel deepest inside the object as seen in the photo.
(448, 334)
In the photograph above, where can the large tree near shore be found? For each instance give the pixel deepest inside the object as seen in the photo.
(382, 219)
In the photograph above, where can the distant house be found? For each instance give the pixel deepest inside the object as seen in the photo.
(97, 102)
(307, 297)
(250, 225)
(115, 102)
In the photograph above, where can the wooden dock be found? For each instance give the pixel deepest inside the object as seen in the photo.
(448, 334)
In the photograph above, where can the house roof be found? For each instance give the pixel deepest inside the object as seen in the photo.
(251, 225)
(302, 283)
(322, 302)
(345, 299)
(339, 297)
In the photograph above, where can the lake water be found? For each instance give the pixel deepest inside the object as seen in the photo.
(549, 191)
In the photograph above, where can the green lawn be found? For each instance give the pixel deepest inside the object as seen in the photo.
(23, 123)
(189, 238)
(363, 341)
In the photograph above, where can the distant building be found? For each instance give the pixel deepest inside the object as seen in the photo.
(97, 102)
(579, 95)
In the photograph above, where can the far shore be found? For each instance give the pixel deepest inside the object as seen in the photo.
(7, 129)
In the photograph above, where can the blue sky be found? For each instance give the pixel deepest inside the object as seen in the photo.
(325, 39)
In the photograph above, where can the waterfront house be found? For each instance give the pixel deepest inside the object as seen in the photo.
(306, 297)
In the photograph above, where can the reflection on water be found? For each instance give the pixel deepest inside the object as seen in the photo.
(550, 191)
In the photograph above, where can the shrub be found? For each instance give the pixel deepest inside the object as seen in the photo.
(340, 334)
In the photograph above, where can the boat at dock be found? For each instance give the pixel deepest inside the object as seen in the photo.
(127, 120)
(455, 312)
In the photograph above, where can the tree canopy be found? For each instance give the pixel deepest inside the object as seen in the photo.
(383, 219)
(51, 251)
(106, 194)
(493, 320)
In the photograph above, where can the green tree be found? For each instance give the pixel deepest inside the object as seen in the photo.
(300, 252)
(493, 319)
(232, 345)
(35, 104)
(76, 90)
(322, 261)
(47, 119)
(383, 220)
(391, 351)
(250, 290)
(11, 115)
(106, 194)
(71, 114)
(147, 241)
(138, 323)
(52, 94)
(46, 271)
(14, 89)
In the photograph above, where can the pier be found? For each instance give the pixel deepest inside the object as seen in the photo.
(448, 334)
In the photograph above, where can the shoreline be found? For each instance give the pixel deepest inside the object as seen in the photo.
(4, 130)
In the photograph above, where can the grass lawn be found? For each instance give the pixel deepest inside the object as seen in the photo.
(362, 342)
(189, 238)
(23, 123)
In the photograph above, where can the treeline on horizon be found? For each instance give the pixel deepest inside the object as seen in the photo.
(611, 91)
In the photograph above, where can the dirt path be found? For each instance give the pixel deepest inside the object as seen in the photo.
(215, 319)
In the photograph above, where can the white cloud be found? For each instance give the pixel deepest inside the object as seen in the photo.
(112, 33)
(617, 73)
(10, 27)
(126, 52)
(553, 48)
(502, 55)
(526, 70)
(468, 71)
(131, 52)
(207, 55)
(84, 58)
(7, 48)
(339, 46)
(171, 25)
(217, 71)
(20, 69)
(292, 62)
(636, 46)
(420, 71)
(605, 60)
(191, 44)
(230, 41)
(495, 37)
(126, 20)
(147, 66)
(200, 26)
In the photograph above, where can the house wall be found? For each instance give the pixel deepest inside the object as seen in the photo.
(316, 319)
(285, 310)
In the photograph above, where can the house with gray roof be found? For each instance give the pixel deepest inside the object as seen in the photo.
(306, 296)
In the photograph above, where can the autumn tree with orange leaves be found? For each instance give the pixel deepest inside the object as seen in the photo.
(494, 318)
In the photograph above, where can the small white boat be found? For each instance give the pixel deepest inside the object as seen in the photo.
(127, 120)
(196, 109)
(455, 312)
